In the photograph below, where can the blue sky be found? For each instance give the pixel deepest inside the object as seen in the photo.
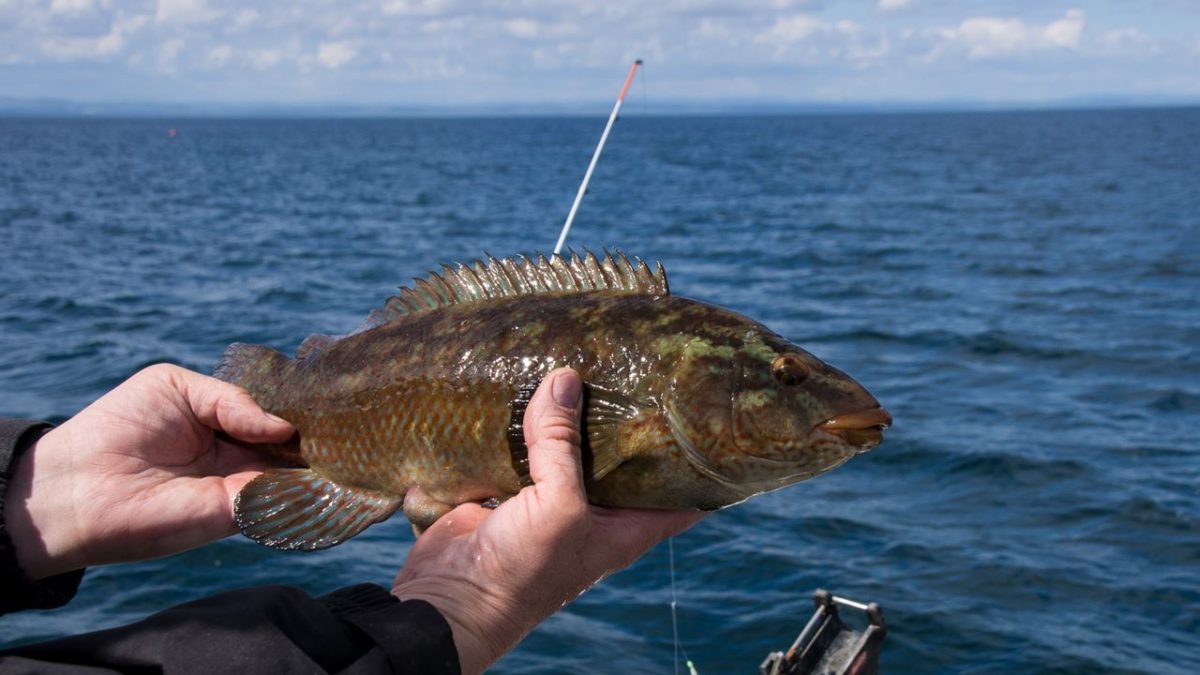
(459, 52)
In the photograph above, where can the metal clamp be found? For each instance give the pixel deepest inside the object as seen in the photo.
(827, 646)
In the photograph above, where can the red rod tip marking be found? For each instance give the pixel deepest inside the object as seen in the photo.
(629, 79)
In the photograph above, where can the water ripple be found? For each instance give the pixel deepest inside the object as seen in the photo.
(1019, 289)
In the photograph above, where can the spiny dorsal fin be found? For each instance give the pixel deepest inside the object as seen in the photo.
(508, 277)
(314, 344)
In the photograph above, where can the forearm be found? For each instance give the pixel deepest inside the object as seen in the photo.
(360, 629)
(19, 587)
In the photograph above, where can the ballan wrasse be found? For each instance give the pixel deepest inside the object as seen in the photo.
(687, 405)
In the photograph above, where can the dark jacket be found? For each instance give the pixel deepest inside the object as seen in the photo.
(272, 629)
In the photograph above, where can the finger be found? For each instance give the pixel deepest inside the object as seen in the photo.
(227, 407)
(552, 434)
(231, 457)
(234, 484)
(440, 537)
(460, 521)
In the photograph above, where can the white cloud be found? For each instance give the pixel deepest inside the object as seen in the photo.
(712, 29)
(334, 55)
(455, 26)
(1133, 45)
(219, 56)
(989, 37)
(527, 28)
(792, 29)
(894, 5)
(265, 59)
(94, 47)
(168, 54)
(522, 28)
(1127, 37)
(244, 19)
(67, 49)
(864, 53)
(804, 39)
(170, 49)
(1066, 31)
(70, 7)
(185, 12)
(467, 50)
(416, 7)
(711, 7)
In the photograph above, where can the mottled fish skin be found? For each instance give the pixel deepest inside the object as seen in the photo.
(686, 407)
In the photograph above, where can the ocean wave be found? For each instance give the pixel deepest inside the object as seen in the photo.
(999, 281)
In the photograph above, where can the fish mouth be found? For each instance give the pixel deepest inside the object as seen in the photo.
(862, 429)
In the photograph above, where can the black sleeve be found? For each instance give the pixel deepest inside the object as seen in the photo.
(360, 629)
(16, 590)
(271, 629)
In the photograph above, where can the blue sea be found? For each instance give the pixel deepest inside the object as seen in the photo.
(1020, 289)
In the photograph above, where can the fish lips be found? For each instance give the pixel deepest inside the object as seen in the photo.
(862, 429)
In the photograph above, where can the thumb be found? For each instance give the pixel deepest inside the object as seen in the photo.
(552, 433)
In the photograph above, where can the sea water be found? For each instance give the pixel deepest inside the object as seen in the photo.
(1019, 289)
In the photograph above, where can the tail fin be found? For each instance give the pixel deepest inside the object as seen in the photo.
(259, 370)
(250, 366)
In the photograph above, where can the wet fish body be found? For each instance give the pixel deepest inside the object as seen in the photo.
(687, 405)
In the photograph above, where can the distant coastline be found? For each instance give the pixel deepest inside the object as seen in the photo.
(17, 107)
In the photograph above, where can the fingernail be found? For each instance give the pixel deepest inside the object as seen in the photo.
(275, 418)
(567, 390)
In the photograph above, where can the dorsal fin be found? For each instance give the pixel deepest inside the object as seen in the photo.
(507, 277)
(314, 344)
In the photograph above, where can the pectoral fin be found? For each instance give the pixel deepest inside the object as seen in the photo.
(299, 509)
(604, 411)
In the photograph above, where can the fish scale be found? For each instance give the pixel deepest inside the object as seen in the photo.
(418, 435)
(687, 405)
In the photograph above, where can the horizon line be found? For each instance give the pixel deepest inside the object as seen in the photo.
(54, 107)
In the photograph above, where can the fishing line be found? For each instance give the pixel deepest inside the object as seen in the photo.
(643, 106)
(562, 237)
(645, 99)
(679, 648)
(675, 614)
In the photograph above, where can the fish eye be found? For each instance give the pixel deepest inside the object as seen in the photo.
(788, 370)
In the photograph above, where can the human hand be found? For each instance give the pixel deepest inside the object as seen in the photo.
(496, 574)
(138, 474)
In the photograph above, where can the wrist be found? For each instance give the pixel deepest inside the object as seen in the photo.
(482, 633)
(37, 513)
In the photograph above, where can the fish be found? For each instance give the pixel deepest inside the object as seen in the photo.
(686, 405)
